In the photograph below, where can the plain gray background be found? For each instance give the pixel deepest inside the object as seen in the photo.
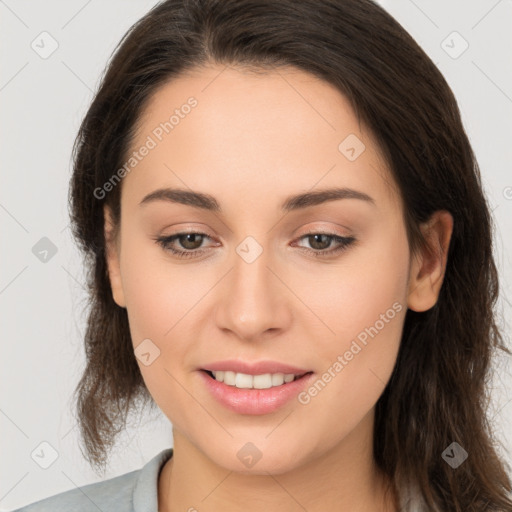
(42, 303)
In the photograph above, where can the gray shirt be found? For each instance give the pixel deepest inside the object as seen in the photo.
(136, 491)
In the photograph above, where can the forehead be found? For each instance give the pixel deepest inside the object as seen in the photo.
(220, 129)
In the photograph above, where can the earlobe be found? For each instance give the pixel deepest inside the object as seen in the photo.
(428, 269)
(112, 259)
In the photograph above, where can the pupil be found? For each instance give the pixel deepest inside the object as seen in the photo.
(189, 238)
(315, 243)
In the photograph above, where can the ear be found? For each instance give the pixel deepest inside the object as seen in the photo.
(112, 255)
(427, 269)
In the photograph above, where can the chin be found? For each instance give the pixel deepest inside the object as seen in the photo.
(251, 460)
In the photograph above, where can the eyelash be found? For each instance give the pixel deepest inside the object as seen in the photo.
(165, 241)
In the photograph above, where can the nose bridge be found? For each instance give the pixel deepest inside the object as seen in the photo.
(254, 299)
(251, 275)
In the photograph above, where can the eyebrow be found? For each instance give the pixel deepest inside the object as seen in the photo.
(295, 202)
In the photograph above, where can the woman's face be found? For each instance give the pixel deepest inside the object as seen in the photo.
(257, 285)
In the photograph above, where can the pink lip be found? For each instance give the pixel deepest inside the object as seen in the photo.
(254, 368)
(255, 401)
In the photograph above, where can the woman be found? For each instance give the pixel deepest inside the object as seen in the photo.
(290, 255)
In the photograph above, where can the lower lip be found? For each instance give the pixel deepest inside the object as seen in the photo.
(254, 401)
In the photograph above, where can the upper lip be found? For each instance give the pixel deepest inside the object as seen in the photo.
(255, 368)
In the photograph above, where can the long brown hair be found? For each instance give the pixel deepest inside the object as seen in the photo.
(437, 393)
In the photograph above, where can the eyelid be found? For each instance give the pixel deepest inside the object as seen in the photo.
(308, 232)
(332, 229)
(323, 231)
(342, 243)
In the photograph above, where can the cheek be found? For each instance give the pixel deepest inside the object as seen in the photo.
(162, 301)
(363, 302)
(366, 289)
(158, 293)
(366, 309)
(158, 297)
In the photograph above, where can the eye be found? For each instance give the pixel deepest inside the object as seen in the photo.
(191, 243)
(320, 243)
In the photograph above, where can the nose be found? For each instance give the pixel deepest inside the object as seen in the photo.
(253, 303)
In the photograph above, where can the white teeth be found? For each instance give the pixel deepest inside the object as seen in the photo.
(266, 381)
(278, 379)
(229, 378)
(245, 381)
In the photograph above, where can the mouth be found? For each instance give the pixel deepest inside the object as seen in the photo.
(255, 394)
(247, 381)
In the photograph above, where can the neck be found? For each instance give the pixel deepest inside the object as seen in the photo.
(343, 478)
